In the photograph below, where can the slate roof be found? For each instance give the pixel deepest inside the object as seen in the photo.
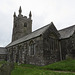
(3, 50)
(67, 32)
(31, 35)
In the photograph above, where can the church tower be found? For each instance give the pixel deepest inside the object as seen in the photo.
(22, 25)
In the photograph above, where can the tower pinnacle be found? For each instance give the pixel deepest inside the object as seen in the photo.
(22, 25)
(30, 15)
(20, 10)
(14, 14)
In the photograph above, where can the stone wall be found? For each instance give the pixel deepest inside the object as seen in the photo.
(68, 47)
(64, 50)
(51, 47)
(21, 53)
(37, 58)
(46, 49)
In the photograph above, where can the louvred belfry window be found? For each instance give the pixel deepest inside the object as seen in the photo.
(25, 24)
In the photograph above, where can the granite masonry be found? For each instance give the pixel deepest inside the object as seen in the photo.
(41, 47)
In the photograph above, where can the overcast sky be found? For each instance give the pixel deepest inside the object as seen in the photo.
(60, 12)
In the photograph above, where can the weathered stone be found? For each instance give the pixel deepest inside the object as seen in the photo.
(41, 47)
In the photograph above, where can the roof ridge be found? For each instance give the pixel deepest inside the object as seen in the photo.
(66, 28)
(40, 28)
(67, 32)
(36, 30)
(31, 35)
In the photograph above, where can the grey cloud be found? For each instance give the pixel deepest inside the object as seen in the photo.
(61, 12)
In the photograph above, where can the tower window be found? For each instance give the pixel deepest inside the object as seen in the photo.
(25, 24)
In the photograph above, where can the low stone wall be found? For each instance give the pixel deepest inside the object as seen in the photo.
(6, 69)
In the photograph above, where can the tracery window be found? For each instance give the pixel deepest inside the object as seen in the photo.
(52, 35)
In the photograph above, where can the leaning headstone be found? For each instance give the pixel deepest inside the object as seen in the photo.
(6, 69)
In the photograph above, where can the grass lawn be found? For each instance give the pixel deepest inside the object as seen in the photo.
(66, 65)
(26, 69)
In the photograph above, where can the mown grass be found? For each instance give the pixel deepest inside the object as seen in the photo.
(66, 65)
(34, 71)
(26, 69)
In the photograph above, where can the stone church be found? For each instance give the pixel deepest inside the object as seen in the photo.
(41, 47)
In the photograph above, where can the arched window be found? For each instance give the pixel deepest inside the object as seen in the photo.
(25, 24)
(31, 47)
